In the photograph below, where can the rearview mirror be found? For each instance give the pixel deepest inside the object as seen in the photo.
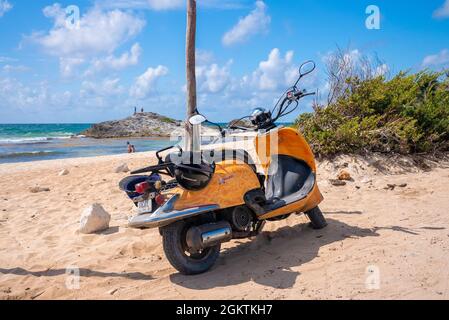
(306, 68)
(197, 120)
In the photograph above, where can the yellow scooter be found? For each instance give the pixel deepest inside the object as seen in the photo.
(221, 194)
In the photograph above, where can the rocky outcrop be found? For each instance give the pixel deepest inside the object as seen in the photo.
(146, 124)
(242, 123)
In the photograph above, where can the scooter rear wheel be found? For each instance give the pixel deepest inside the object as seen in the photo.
(177, 251)
(317, 220)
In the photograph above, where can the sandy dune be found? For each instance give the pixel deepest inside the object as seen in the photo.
(401, 236)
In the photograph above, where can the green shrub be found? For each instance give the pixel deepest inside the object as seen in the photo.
(406, 114)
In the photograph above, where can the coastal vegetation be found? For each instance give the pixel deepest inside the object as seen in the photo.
(368, 111)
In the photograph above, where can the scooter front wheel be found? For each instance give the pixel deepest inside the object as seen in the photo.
(317, 220)
(177, 251)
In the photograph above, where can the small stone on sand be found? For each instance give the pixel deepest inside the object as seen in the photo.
(111, 292)
(39, 189)
(344, 175)
(337, 183)
(64, 172)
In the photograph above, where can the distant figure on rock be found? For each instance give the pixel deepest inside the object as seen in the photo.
(135, 110)
(142, 110)
(131, 148)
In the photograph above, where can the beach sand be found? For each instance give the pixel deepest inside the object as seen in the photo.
(397, 240)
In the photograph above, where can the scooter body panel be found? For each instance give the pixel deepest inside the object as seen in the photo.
(289, 142)
(231, 181)
(284, 141)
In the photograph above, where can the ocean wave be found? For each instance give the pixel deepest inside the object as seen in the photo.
(27, 154)
(33, 140)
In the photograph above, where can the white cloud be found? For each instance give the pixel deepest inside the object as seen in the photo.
(203, 57)
(159, 5)
(98, 33)
(440, 59)
(15, 94)
(351, 57)
(15, 68)
(275, 72)
(165, 4)
(111, 62)
(7, 59)
(382, 70)
(222, 94)
(69, 66)
(143, 4)
(106, 88)
(443, 11)
(213, 78)
(44, 100)
(254, 23)
(5, 6)
(146, 82)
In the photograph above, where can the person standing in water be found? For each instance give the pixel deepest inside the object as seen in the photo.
(131, 148)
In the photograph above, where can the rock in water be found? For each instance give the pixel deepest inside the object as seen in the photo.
(344, 175)
(242, 123)
(146, 124)
(64, 172)
(122, 168)
(94, 219)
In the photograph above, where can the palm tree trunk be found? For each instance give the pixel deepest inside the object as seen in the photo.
(191, 77)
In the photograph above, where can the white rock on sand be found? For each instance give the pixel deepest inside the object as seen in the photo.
(94, 219)
(366, 180)
(123, 168)
(64, 172)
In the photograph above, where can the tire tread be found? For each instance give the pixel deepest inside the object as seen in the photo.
(317, 220)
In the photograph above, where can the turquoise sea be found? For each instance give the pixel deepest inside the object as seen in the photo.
(31, 142)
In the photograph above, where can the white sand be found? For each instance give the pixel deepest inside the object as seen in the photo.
(402, 234)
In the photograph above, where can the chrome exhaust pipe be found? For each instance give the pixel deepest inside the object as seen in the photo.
(208, 235)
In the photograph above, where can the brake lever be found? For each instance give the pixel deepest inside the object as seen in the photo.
(308, 94)
(302, 94)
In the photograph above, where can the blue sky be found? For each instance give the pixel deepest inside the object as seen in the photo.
(127, 53)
